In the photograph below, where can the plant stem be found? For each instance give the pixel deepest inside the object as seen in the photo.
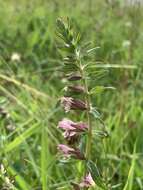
(88, 102)
(89, 139)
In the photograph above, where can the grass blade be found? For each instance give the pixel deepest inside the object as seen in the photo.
(18, 140)
(44, 148)
(129, 182)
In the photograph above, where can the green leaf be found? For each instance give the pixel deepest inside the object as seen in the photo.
(21, 138)
(95, 73)
(19, 179)
(85, 46)
(60, 25)
(100, 89)
(101, 134)
(112, 66)
(44, 155)
(70, 67)
(77, 40)
(92, 49)
(95, 113)
(93, 169)
(129, 182)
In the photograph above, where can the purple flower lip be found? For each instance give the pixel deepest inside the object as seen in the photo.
(69, 125)
(72, 129)
(68, 151)
(70, 103)
(71, 137)
(65, 149)
(87, 181)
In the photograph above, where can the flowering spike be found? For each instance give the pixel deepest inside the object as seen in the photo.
(79, 74)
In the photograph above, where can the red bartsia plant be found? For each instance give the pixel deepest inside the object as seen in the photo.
(78, 100)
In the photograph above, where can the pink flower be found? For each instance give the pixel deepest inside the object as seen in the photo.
(66, 124)
(69, 125)
(68, 151)
(65, 149)
(72, 104)
(87, 181)
(72, 129)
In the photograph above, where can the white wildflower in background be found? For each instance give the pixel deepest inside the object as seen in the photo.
(126, 43)
(10, 127)
(2, 169)
(8, 183)
(15, 57)
(128, 24)
(63, 80)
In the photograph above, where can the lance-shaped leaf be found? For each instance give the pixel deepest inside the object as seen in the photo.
(92, 49)
(101, 134)
(93, 169)
(70, 68)
(100, 89)
(95, 113)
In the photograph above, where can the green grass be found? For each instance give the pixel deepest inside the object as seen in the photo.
(31, 87)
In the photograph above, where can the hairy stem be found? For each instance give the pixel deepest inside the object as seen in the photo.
(88, 102)
(89, 139)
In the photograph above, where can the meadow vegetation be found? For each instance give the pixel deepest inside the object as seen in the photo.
(32, 82)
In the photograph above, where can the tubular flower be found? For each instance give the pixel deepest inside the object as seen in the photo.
(69, 125)
(87, 181)
(68, 151)
(72, 129)
(72, 104)
(66, 124)
(76, 89)
(69, 130)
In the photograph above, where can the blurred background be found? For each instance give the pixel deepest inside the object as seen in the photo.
(31, 83)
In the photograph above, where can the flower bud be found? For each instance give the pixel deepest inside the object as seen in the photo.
(87, 182)
(77, 89)
(70, 103)
(69, 125)
(74, 77)
(68, 151)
